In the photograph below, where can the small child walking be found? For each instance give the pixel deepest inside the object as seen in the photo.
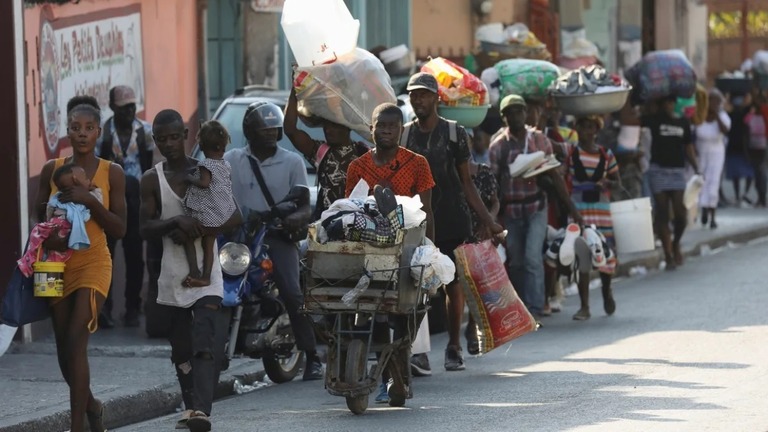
(209, 199)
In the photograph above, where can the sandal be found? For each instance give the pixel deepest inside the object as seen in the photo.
(199, 422)
(582, 315)
(182, 423)
(96, 419)
(473, 342)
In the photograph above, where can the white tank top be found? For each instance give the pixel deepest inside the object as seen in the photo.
(174, 268)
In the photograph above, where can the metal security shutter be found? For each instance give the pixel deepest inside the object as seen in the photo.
(224, 29)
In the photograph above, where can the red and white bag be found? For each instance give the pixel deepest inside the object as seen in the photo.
(499, 313)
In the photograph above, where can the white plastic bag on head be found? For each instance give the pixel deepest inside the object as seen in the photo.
(345, 91)
(413, 215)
(319, 30)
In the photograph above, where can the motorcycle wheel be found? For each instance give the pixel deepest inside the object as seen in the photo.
(282, 370)
(355, 373)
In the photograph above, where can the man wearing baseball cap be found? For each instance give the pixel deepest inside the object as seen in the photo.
(127, 141)
(445, 145)
(523, 202)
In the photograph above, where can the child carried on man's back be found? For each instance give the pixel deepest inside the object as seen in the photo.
(209, 199)
(64, 219)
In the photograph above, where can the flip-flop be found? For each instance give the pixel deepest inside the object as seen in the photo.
(96, 420)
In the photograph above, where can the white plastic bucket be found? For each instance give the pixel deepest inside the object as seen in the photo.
(319, 31)
(633, 225)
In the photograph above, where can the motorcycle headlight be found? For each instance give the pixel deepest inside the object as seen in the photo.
(234, 258)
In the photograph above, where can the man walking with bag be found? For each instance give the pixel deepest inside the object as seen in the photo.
(445, 145)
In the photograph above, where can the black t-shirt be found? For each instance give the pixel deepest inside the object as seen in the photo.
(449, 205)
(669, 136)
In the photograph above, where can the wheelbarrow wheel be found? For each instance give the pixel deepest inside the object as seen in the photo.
(355, 373)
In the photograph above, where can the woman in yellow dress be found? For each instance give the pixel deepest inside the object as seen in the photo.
(88, 272)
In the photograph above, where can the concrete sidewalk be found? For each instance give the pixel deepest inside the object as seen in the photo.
(134, 377)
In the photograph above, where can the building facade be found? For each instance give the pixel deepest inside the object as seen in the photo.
(62, 49)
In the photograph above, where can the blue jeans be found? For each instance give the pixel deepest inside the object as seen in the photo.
(525, 243)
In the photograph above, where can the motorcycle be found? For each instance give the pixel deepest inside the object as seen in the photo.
(260, 326)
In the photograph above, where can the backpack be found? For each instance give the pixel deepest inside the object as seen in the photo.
(453, 134)
(107, 152)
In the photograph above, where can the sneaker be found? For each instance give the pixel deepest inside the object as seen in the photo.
(182, 423)
(454, 360)
(555, 305)
(420, 365)
(199, 422)
(385, 200)
(313, 370)
(553, 252)
(383, 396)
(595, 246)
(398, 393)
(567, 252)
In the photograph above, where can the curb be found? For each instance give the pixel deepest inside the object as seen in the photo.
(652, 259)
(139, 407)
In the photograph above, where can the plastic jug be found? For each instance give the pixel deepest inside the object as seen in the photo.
(319, 31)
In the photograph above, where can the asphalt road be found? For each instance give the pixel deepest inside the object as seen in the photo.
(686, 351)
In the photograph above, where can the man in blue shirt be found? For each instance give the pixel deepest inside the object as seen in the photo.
(282, 170)
(127, 141)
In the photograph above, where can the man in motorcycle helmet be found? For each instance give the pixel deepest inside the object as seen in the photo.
(283, 172)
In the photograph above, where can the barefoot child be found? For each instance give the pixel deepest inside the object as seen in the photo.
(209, 198)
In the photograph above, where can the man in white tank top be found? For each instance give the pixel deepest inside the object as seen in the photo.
(198, 326)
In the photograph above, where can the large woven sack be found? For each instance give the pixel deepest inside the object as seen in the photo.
(345, 91)
(526, 78)
(499, 313)
(662, 73)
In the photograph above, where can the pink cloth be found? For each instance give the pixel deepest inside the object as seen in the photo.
(39, 234)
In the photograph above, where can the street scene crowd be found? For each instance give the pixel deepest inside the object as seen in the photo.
(533, 177)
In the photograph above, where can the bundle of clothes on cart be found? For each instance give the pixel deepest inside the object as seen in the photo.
(379, 220)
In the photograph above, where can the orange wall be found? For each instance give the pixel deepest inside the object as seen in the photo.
(447, 27)
(168, 28)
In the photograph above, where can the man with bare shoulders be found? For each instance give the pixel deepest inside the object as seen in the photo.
(195, 318)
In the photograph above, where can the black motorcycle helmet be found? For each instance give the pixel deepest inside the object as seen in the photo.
(262, 115)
